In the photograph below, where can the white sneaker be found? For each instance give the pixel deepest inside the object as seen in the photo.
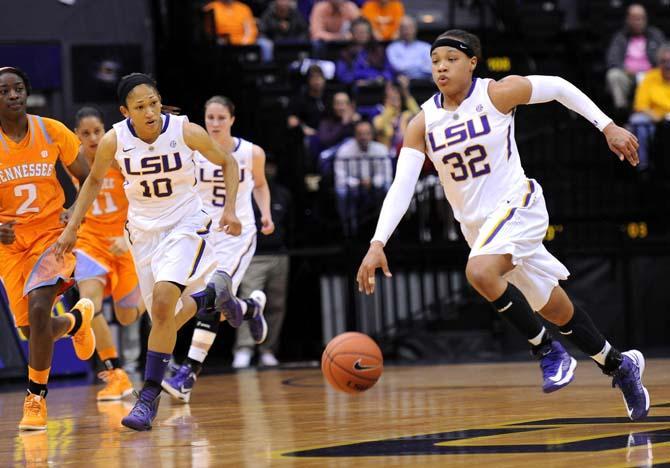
(268, 359)
(242, 358)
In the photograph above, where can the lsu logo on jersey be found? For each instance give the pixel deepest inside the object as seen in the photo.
(470, 162)
(458, 133)
(215, 177)
(154, 164)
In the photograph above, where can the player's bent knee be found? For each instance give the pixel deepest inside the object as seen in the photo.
(126, 316)
(479, 275)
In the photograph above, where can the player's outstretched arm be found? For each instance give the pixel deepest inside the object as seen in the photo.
(197, 139)
(515, 90)
(261, 189)
(398, 198)
(89, 191)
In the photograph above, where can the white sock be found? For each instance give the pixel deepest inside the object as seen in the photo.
(243, 305)
(205, 339)
(538, 339)
(602, 355)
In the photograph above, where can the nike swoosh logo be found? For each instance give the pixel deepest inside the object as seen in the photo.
(125, 150)
(558, 376)
(565, 333)
(506, 307)
(184, 390)
(359, 366)
(166, 360)
(462, 46)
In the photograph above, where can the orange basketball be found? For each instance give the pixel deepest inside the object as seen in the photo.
(352, 362)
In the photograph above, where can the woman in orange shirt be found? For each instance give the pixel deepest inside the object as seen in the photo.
(385, 16)
(31, 219)
(104, 264)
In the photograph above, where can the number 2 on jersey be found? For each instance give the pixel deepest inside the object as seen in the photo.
(463, 170)
(31, 192)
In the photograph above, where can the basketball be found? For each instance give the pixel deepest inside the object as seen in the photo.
(352, 362)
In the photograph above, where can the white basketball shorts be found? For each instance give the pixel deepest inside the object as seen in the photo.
(517, 227)
(234, 253)
(179, 254)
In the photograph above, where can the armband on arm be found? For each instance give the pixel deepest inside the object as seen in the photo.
(555, 88)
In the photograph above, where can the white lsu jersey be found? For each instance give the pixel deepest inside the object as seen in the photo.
(474, 152)
(212, 188)
(160, 176)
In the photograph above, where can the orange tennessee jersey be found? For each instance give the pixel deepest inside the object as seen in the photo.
(107, 215)
(29, 190)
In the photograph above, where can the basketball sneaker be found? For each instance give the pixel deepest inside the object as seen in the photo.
(118, 385)
(257, 324)
(181, 383)
(84, 340)
(225, 301)
(628, 377)
(558, 367)
(144, 411)
(34, 413)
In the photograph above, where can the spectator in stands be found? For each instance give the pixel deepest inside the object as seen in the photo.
(363, 174)
(398, 109)
(234, 22)
(409, 56)
(306, 110)
(330, 20)
(281, 22)
(632, 51)
(385, 16)
(652, 104)
(361, 37)
(339, 125)
(269, 272)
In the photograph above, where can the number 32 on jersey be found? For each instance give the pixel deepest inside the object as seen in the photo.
(471, 162)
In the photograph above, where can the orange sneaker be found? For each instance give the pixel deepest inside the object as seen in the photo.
(118, 385)
(84, 339)
(34, 413)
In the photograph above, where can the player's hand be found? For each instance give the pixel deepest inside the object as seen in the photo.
(375, 258)
(7, 234)
(119, 245)
(230, 224)
(65, 242)
(267, 225)
(622, 143)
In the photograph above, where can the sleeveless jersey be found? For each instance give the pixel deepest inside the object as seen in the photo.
(474, 152)
(212, 189)
(160, 176)
(30, 193)
(109, 211)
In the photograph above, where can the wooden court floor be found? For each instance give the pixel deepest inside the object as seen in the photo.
(449, 415)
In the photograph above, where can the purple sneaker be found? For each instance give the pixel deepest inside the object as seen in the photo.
(628, 377)
(257, 324)
(226, 302)
(143, 413)
(181, 384)
(558, 367)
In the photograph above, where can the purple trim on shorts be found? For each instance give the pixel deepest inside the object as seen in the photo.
(499, 226)
(198, 257)
(526, 200)
(239, 262)
(204, 231)
(87, 267)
